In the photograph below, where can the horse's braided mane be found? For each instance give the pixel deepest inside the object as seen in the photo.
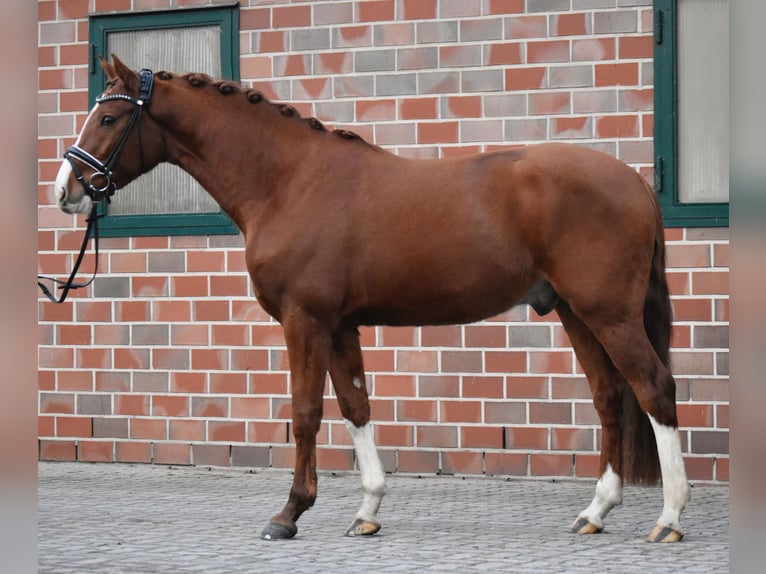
(228, 87)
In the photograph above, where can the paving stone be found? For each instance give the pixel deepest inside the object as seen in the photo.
(151, 518)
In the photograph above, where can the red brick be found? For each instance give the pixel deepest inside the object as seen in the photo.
(616, 74)
(551, 464)
(569, 24)
(229, 335)
(587, 465)
(416, 410)
(74, 335)
(394, 386)
(335, 458)
(209, 359)
(547, 104)
(462, 462)
(267, 431)
(254, 18)
(74, 426)
(229, 285)
(508, 53)
(58, 450)
(394, 435)
(505, 6)
(154, 429)
(439, 132)
(130, 311)
(74, 381)
(617, 127)
(505, 362)
(291, 16)
(485, 336)
(550, 362)
(633, 47)
(210, 407)
(547, 51)
(593, 49)
(722, 469)
(96, 451)
(418, 108)
(506, 463)
(437, 436)
(189, 286)
(418, 461)
(550, 413)
(375, 110)
(375, 10)
(571, 438)
(482, 387)
(522, 387)
(132, 358)
(172, 453)
(57, 403)
(460, 411)
(131, 404)
(170, 406)
(526, 27)
(225, 431)
(268, 383)
(210, 310)
(418, 9)
(698, 468)
(712, 283)
(695, 415)
(481, 437)
(249, 359)
(187, 430)
(526, 438)
(137, 452)
(250, 407)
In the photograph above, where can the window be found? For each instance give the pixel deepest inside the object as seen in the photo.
(167, 200)
(691, 111)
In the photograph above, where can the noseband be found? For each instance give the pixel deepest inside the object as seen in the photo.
(102, 172)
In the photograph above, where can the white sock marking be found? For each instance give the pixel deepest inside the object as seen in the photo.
(675, 487)
(373, 477)
(608, 495)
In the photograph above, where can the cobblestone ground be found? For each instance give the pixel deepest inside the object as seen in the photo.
(145, 519)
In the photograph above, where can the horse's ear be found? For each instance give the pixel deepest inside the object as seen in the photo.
(108, 69)
(129, 78)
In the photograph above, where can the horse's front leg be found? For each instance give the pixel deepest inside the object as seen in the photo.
(308, 349)
(347, 373)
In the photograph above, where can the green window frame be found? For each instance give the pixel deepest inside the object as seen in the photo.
(675, 212)
(100, 26)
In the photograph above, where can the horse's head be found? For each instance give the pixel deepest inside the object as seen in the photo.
(117, 143)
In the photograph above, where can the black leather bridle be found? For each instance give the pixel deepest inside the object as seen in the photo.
(102, 173)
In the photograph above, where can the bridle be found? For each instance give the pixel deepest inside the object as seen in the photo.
(104, 170)
(101, 171)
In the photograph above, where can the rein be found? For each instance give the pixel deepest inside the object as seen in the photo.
(100, 170)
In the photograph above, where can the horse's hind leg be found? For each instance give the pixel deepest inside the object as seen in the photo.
(347, 373)
(607, 387)
(630, 350)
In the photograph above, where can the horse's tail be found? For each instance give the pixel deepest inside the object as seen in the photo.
(640, 464)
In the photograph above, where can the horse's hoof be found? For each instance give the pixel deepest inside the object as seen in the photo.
(584, 526)
(664, 534)
(277, 531)
(361, 527)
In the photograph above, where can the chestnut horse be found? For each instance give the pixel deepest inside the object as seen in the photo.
(340, 233)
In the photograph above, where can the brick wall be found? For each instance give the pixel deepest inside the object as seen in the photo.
(168, 357)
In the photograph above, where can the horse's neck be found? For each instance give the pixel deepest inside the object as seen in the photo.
(238, 152)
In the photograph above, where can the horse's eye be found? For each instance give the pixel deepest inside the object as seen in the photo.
(108, 121)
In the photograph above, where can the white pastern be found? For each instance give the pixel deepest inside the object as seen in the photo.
(373, 477)
(675, 486)
(608, 495)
